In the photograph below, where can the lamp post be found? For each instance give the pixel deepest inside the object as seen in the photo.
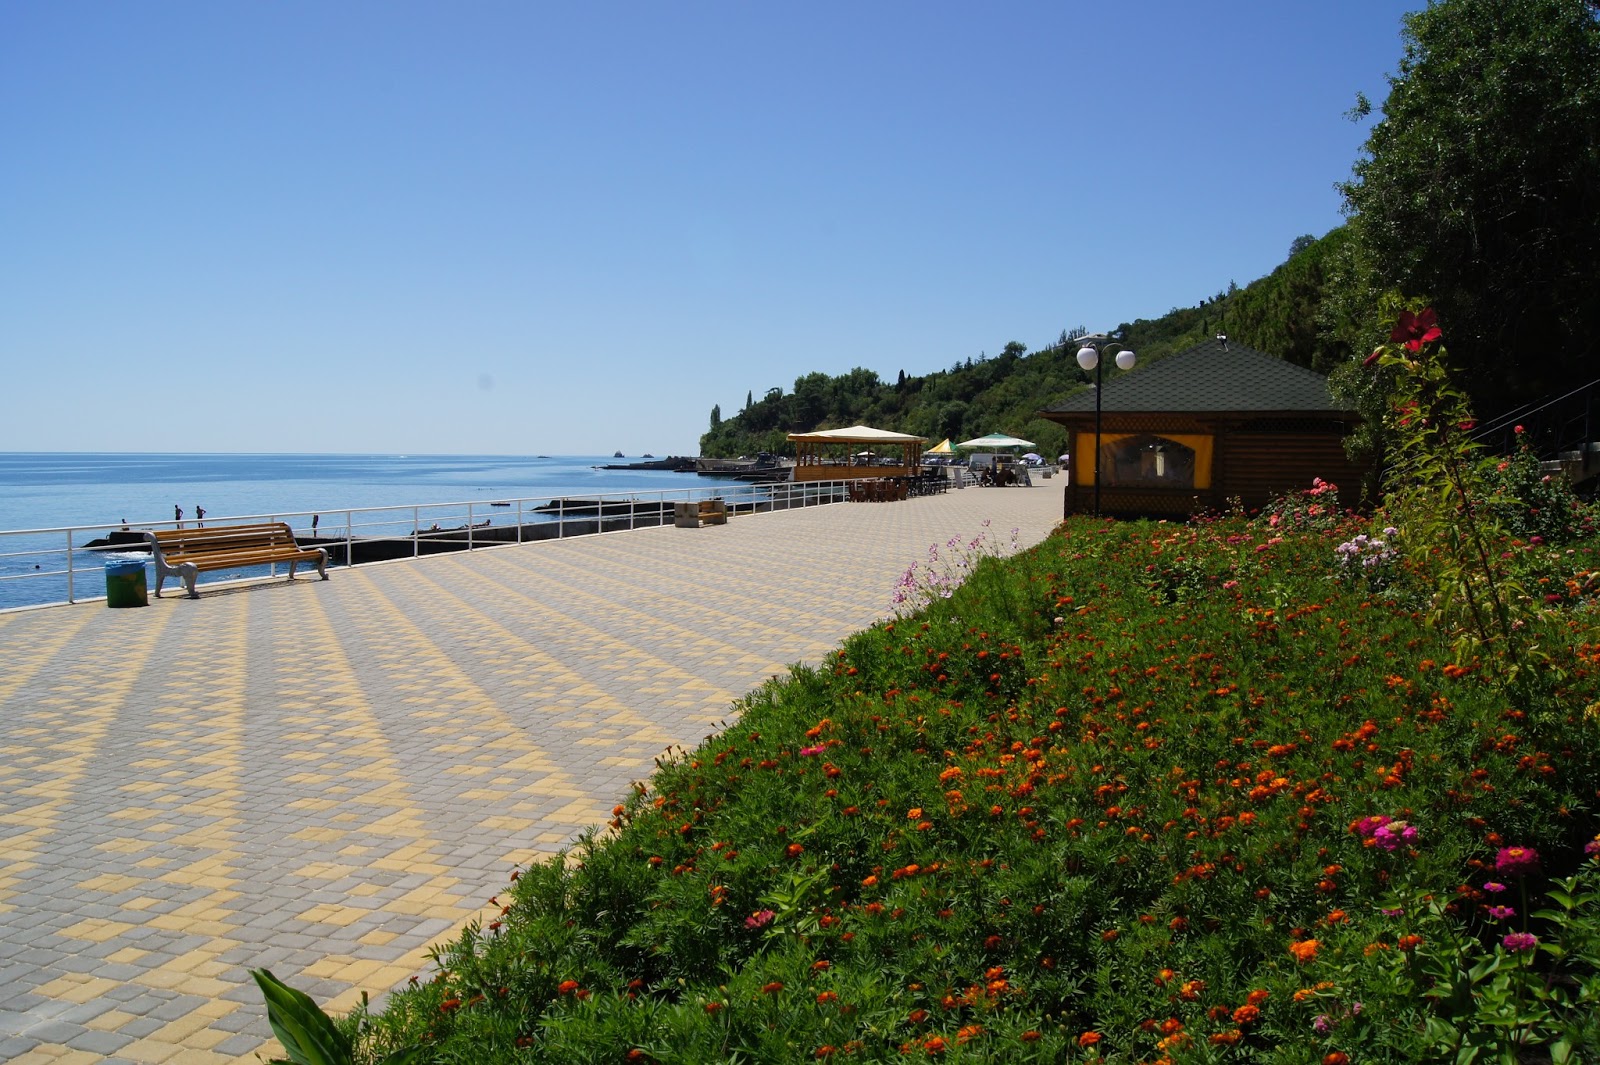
(1089, 359)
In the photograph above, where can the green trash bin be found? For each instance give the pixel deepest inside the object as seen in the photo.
(125, 583)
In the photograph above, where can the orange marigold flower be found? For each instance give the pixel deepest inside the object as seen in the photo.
(918, 1016)
(1337, 1057)
(914, 814)
(567, 987)
(1304, 950)
(1410, 942)
(1030, 1036)
(1233, 1035)
(969, 1032)
(826, 997)
(869, 881)
(824, 1051)
(1088, 1039)
(1246, 1015)
(1257, 997)
(935, 1045)
(772, 988)
(713, 1007)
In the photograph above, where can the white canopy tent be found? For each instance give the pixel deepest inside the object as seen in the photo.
(826, 455)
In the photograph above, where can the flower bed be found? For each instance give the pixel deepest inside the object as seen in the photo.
(1204, 792)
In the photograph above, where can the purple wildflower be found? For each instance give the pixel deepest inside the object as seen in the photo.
(1494, 888)
(759, 919)
(1501, 913)
(1517, 942)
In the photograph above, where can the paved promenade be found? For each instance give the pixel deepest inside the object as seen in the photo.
(324, 778)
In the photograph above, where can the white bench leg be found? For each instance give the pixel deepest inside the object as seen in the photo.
(190, 573)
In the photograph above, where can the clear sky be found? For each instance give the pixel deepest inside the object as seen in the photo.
(569, 228)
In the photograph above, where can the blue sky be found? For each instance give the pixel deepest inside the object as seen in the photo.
(524, 228)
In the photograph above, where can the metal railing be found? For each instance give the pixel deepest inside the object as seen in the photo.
(40, 567)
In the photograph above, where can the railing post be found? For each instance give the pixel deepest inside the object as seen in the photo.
(469, 525)
(519, 521)
(70, 598)
(416, 531)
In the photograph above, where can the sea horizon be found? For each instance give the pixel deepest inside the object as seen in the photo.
(96, 490)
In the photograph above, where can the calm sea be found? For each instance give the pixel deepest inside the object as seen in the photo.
(41, 491)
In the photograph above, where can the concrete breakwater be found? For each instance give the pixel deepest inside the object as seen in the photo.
(562, 518)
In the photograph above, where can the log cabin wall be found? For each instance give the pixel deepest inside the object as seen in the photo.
(1267, 458)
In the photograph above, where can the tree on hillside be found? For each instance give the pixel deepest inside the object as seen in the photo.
(1480, 188)
(716, 416)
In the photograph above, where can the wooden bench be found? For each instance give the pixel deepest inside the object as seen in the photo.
(183, 553)
(693, 515)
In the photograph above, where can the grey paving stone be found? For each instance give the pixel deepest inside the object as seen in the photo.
(99, 1042)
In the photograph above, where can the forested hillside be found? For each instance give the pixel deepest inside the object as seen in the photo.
(1002, 393)
(1478, 190)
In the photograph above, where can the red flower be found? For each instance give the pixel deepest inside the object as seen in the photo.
(1416, 329)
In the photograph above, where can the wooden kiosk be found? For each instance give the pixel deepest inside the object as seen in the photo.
(858, 451)
(1216, 422)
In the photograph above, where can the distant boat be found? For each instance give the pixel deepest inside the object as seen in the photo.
(499, 504)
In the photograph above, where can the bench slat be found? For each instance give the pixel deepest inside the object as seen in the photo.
(186, 552)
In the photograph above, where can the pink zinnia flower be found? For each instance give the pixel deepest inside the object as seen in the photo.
(1517, 942)
(1516, 861)
(759, 919)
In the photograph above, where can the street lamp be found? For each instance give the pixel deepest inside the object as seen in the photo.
(1089, 359)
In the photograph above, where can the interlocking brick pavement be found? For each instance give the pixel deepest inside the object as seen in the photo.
(324, 778)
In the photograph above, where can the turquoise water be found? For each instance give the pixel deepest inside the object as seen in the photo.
(41, 491)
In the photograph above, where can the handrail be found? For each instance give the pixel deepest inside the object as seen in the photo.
(58, 553)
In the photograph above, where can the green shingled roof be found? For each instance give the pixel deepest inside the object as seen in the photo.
(1209, 377)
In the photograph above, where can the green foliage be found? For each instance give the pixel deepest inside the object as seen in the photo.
(1106, 790)
(309, 1035)
(1437, 493)
(1480, 186)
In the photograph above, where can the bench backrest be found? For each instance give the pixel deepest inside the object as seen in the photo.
(223, 539)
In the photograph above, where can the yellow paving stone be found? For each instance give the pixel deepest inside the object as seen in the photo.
(109, 1021)
(175, 923)
(177, 1031)
(95, 929)
(111, 883)
(378, 937)
(75, 987)
(126, 956)
(150, 1051)
(338, 916)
